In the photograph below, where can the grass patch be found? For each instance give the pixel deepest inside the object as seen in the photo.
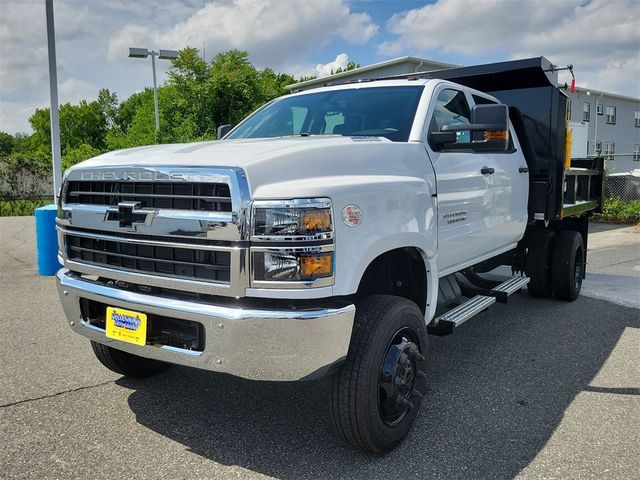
(22, 206)
(615, 210)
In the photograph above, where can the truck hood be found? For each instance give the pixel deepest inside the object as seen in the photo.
(275, 161)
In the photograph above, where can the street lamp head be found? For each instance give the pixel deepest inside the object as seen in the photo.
(138, 53)
(163, 54)
(168, 54)
(588, 92)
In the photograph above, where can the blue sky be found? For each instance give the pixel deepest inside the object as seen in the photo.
(303, 37)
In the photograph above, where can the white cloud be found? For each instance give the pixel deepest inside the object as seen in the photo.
(600, 38)
(73, 90)
(325, 69)
(92, 40)
(14, 116)
(318, 70)
(273, 32)
(23, 40)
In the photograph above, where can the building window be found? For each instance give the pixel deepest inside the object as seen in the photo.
(598, 149)
(599, 109)
(609, 150)
(637, 118)
(586, 112)
(636, 153)
(568, 109)
(611, 115)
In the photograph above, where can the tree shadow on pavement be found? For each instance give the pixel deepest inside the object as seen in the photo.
(498, 389)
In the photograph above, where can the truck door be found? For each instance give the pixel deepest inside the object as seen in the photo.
(465, 194)
(510, 185)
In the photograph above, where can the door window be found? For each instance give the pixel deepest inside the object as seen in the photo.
(452, 109)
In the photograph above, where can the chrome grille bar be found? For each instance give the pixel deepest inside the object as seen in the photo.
(202, 265)
(170, 195)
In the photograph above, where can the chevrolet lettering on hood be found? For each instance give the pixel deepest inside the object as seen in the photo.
(136, 175)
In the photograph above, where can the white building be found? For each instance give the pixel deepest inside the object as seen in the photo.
(606, 123)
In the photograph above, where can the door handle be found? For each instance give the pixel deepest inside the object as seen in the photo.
(487, 170)
(523, 169)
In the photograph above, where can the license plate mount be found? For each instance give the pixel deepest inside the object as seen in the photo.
(126, 325)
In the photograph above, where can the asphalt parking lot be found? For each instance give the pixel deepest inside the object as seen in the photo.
(533, 389)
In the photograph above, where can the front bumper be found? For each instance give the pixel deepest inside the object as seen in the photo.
(280, 345)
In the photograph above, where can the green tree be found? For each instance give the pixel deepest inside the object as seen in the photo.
(224, 91)
(108, 102)
(234, 86)
(192, 106)
(77, 154)
(85, 123)
(350, 66)
(7, 143)
(196, 99)
(272, 83)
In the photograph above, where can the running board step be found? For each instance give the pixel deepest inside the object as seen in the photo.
(508, 288)
(446, 323)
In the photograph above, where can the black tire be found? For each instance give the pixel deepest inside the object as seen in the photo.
(365, 410)
(539, 261)
(126, 363)
(568, 266)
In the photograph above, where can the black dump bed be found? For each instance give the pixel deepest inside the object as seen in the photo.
(538, 113)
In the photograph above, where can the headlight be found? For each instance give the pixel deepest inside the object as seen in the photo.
(292, 265)
(290, 243)
(309, 219)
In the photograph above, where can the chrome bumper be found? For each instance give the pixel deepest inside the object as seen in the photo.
(280, 345)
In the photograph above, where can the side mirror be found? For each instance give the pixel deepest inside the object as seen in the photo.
(223, 130)
(489, 129)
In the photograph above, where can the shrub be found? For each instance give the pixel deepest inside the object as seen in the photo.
(615, 210)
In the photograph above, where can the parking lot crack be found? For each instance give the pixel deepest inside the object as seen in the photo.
(57, 394)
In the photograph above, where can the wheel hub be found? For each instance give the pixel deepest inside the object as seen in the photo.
(398, 378)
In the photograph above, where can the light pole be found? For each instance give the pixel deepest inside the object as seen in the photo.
(53, 93)
(164, 55)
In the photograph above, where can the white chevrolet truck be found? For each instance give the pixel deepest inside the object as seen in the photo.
(328, 233)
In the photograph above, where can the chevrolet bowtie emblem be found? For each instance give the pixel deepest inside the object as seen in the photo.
(128, 214)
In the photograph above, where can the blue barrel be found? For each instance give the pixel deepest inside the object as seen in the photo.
(47, 240)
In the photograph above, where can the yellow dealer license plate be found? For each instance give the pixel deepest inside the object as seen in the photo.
(126, 325)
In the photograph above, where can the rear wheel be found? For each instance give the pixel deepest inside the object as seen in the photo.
(126, 363)
(568, 266)
(539, 261)
(376, 394)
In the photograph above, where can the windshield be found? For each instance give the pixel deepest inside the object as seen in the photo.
(379, 111)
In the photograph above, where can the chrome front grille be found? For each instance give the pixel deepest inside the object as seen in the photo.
(211, 197)
(178, 262)
(178, 228)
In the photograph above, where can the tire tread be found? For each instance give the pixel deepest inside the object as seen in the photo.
(563, 274)
(347, 390)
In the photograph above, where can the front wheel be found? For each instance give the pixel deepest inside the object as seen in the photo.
(376, 394)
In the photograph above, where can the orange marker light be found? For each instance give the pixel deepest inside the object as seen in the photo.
(316, 266)
(496, 135)
(316, 220)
